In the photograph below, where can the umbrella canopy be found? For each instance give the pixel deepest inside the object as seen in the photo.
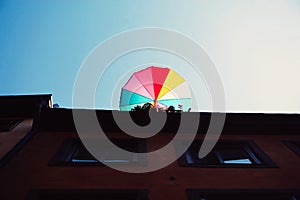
(162, 87)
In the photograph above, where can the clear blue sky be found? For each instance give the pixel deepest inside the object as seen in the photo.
(254, 44)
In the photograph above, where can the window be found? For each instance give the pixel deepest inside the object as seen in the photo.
(88, 194)
(227, 153)
(73, 152)
(9, 124)
(293, 145)
(194, 194)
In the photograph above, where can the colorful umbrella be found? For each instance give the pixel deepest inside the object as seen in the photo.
(162, 87)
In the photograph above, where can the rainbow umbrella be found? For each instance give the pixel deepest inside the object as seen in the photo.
(162, 87)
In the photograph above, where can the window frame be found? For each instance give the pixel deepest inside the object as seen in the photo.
(67, 149)
(258, 157)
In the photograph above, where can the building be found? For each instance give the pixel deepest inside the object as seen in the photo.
(257, 157)
(17, 115)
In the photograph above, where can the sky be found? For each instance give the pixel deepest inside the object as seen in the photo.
(254, 44)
